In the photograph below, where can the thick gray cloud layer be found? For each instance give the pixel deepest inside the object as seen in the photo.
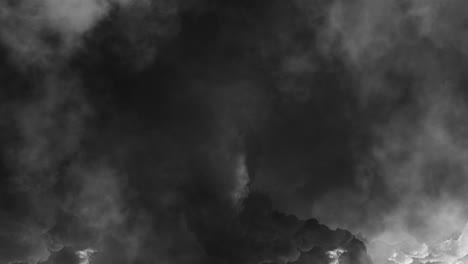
(409, 57)
(209, 132)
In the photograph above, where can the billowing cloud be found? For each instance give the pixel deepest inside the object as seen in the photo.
(217, 132)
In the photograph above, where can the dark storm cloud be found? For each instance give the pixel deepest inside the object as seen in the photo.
(44, 32)
(173, 132)
(407, 63)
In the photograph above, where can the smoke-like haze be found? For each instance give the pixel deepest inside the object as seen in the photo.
(203, 131)
(408, 59)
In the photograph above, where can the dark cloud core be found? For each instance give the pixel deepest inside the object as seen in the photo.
(235, 132)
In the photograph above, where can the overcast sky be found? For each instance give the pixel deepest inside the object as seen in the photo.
(235, 131)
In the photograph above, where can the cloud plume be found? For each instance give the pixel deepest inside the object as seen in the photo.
(202, 131)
